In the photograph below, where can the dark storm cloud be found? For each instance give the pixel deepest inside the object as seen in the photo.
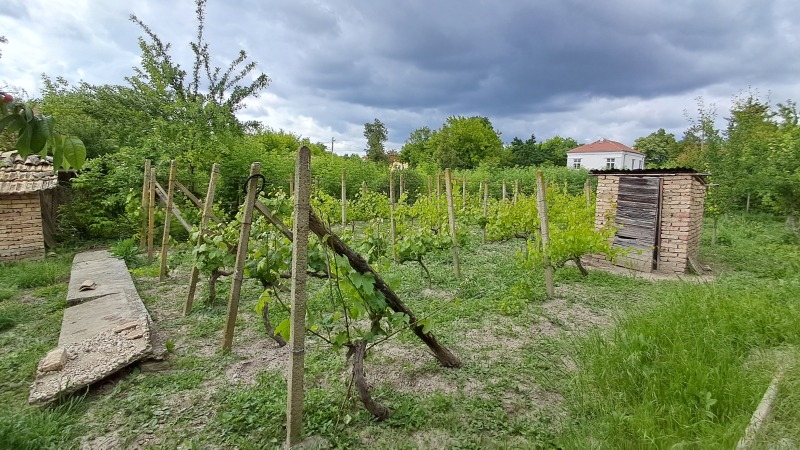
(618, 69)
(506, 58)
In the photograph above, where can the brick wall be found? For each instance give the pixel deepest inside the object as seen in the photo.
(20, 227)
(681, 222)
(607, 190)
(683, 198)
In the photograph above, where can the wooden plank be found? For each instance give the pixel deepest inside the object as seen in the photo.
(638, 204)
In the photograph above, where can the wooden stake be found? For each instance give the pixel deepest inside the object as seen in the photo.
(402, 186)
(162, 275)
(541, 201)
(294, 411)
(464, 193)
(451, 215)
(151, 217)
(438, 185)
(392, 223)
(241, 256)
(145, 204)
(516, 191)
(208, 205)
(504, 190)
(587, 190)
(344, 200)
(485, 207)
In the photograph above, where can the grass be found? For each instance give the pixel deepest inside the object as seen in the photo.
(671, 363)
(30, 321)
(677, 375)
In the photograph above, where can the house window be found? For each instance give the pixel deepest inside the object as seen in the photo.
(576, 163)
(610, 163)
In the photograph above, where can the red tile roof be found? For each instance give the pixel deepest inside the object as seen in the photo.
(604, 145)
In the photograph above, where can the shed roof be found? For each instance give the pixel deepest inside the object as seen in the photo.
(25, 175)
(651, 172)
(604, 145)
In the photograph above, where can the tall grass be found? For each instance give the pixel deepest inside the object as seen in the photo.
(681, 374)
(677, 375)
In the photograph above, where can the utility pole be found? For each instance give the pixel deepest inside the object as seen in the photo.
(332, 140)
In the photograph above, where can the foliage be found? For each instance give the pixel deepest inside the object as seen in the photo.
(657, 147)
(376, 135)
(128, 250)
(463, 142)
(36, 134)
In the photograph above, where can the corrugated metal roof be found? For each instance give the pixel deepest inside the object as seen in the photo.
(24, 175)
(604, 145)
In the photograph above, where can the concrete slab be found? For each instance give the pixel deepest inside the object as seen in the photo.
(91, 360)
(109, 274)
(103, 330)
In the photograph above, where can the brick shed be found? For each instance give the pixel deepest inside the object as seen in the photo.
(658, 214)
(24, 184)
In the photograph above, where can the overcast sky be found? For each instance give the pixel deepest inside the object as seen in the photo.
(583, 69)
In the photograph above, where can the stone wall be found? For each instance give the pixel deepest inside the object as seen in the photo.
(21, 227)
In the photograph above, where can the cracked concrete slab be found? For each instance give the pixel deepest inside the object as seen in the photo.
(103, 330)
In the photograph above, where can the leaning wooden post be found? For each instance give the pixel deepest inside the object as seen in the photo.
(587, 190)
(541, 201)
(297, 325)
(516, 191)
(208, 205)
(162, 275)
(464, 193)
(402, 186)
(145, 204)
(451, 215)
(485, 208)
(344, 200)
(151, 216)
(392, 223)
(504, 190)
(241, 255)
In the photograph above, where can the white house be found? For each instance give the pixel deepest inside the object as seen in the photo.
(605, 154)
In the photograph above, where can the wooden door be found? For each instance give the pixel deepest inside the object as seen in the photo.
(638, 221)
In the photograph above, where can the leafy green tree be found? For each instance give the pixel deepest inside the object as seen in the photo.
(555, 150)
(742, 169)
(376, 135)
(417, 148)
(464, 142)
(524, 153)
(657, 147)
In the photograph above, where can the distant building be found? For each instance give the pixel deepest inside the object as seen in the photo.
(605, 154)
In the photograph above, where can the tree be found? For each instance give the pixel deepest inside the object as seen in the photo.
(464, 142)
(376, 135)
(524, 153)
(657, 147)
(417, 148)
(555, 150)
